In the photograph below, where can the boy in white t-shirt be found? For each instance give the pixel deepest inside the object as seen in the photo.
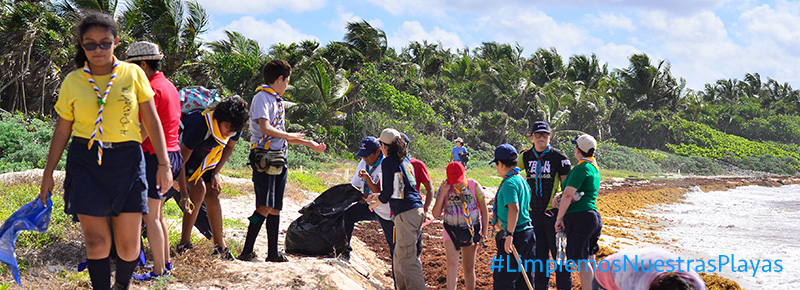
(367, 178)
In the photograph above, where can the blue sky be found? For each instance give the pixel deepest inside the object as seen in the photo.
(704, 40)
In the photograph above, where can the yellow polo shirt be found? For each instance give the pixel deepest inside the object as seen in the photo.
(77, 102)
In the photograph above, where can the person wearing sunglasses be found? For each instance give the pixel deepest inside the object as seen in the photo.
(579, 218)
(545, 167)
(100, 104)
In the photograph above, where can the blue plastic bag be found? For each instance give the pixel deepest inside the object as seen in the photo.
(30, 217)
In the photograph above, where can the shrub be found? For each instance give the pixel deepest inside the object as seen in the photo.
(24, 142)
(701, 140)
(617, 157)
(696, 165)
(767, 163)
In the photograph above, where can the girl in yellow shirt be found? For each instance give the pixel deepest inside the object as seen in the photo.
(99, 105)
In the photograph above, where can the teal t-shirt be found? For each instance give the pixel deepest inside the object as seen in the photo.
(514, 190)
(585, 178)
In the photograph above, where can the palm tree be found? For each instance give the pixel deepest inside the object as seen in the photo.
(585, 70)
(371, 42)
(237, 61)
(73, 9)
(36, 49)
(321, 93)
(463, 69)
(504, 84)
(546, 65)
(429, 57)
(296, 54)
(168, 24)
(647, 86)
(342, 55)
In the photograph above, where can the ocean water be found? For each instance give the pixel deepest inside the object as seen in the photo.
(747, 225)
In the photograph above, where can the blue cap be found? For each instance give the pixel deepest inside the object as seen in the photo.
(504, 152)
(405, 138)
(368, 145)
(540, 126)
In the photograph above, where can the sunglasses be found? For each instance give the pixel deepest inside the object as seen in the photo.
(541, 134)
(93, 46)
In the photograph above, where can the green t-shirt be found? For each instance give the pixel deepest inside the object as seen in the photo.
(514, 190)
(585, 178)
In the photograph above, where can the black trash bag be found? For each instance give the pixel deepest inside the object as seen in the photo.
(319, 231)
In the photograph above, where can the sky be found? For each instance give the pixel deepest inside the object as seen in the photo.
(703, 40)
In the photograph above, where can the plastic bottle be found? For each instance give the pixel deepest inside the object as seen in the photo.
(561, 248)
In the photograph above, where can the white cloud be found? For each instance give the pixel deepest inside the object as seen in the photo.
(698, 47)
(611, 22)
(260, 7)
(616, 55)
(441, 8)
(534, 29)
(413, 31)
(265, 33)
(772, 35)
(781, 26)
(339, 23)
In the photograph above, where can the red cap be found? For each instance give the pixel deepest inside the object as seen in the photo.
(455, 173)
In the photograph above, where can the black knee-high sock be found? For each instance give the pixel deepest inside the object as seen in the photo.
(256, 220)
(273, 221)
(125, 271)
(100, 273)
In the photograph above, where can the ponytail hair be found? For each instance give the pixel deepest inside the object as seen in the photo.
(398, 150)
(93, 19)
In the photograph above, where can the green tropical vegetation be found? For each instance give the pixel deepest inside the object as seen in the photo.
(645, 117)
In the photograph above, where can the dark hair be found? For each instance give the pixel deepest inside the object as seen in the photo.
(586, 154)
(233, 110)
(398, 150)
(509, 163)
(93, 19)
(154, 64)
(671, 281)
(275, 68)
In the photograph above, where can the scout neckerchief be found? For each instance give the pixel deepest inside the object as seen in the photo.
(215, 155)
(97, 134)
(369, 171)
(539, 168)
(275, 122)
(589, 160)
(510, 173)
(464, 208)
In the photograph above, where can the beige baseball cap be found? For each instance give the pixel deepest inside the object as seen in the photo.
(388, 135)
(585, 142)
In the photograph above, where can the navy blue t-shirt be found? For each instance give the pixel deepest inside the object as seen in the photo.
(196, 134)
(405, 170)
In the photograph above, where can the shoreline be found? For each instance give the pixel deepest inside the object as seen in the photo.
(633, 227)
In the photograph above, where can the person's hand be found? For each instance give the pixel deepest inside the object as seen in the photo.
(164, 179)
(372, 198)
(363, 174)
(46, 186)
(186, 203)
(556, 200)
(374, 205)
(296, 136)
(508, 244)
(318, 147)
(559, 225)
(216, 183)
